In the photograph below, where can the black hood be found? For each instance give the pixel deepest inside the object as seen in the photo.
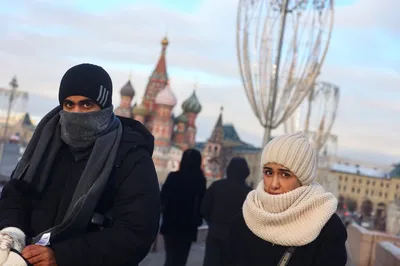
(238, 169)
(191, 160)
(136, 134)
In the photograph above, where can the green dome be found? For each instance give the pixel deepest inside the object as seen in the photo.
(192, 104)
(181, 119)
(141, 110)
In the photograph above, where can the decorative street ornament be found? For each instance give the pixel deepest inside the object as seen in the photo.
(316, 114)
(281, 46)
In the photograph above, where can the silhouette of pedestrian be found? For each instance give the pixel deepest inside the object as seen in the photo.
(222, 202)
(181, 197)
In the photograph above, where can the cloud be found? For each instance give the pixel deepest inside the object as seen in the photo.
(42, 39)
(369, 14)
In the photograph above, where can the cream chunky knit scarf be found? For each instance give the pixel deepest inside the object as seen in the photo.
(295, 218)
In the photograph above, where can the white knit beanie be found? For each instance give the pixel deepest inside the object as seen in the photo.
(295, 152)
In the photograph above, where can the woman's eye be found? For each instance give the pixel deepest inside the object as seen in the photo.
(268, 172)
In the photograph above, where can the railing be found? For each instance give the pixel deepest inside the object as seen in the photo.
(387, 254)
(365, 246)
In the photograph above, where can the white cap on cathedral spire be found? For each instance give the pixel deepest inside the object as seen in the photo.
(166, 97)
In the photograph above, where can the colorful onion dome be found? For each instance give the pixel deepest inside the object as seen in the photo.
(192, 104)
(128, 90)
(166, 97)
(182, 118)
(141, 110)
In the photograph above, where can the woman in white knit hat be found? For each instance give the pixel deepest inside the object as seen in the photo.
(288, 219)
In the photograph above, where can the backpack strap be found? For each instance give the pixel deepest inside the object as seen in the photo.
(286, 256)
(104, 218)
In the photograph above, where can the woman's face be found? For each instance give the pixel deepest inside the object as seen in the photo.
(278, 179)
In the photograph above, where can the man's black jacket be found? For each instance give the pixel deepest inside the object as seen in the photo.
(131, 198)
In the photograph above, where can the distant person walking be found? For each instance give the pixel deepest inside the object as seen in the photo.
(222, 203)
(181, 197)
(288, 217)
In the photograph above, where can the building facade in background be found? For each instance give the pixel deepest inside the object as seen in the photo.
(20, 128)
(174, 134)
(223, 144)
(367, 185)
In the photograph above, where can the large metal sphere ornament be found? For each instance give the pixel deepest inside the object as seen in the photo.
(281, 46)
(316, 114)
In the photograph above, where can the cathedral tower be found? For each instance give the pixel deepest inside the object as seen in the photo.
(127, 93)
(158, 79)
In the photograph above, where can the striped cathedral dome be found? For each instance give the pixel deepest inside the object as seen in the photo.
(166, 97)
(192, 104)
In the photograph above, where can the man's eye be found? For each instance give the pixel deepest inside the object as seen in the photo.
(87, 105)
(68, 105)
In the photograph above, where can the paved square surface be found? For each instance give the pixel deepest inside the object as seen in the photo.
(195, 257)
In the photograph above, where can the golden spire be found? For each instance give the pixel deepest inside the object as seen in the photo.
(165, 41)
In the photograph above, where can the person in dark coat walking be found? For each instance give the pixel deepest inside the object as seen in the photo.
(85, 192)
(181, 197)
(288, 219)
(221, 204)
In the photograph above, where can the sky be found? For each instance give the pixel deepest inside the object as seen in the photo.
(40, 40)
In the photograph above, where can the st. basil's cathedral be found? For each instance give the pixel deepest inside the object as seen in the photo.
(174, 134)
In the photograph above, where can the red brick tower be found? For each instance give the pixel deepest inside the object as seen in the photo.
(163, 122)
(180, 128)
(191, 108)
(213, 151)
(158, 79)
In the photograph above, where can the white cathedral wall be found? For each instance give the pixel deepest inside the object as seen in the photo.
(172, 155)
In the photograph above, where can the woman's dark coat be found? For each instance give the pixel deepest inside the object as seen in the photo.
(247, 249)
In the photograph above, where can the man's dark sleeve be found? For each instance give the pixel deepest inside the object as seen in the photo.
(15, 205)
(136, 217)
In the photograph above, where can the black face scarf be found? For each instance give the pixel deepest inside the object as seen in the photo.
(80, 130)
(101, 129)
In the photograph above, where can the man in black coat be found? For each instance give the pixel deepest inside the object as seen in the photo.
(221, 204)
(85, 191)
